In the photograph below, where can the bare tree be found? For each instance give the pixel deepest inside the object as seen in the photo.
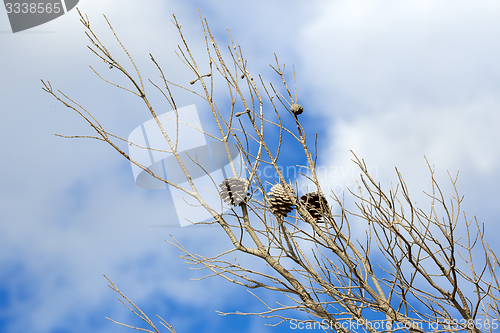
(411, 272)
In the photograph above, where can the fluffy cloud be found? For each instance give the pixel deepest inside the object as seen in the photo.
(402, 80)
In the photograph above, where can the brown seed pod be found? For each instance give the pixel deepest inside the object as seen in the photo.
(234, 190)
(278, 200)
(315, 204)
(296, 109)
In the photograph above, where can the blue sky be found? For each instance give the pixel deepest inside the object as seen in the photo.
(391, 80)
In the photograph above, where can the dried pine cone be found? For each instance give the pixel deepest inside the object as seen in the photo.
(234, 190)
(296, 109)
(279, 202)
(315, 204)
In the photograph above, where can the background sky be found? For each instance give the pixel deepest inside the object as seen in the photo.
(391, 80)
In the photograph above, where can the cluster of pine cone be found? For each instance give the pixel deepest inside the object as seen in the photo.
(280, 203)
(234, 191)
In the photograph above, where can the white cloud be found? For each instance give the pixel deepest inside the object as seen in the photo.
(385, 52)
(407, 79)
(399, 80)
(70, 211)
